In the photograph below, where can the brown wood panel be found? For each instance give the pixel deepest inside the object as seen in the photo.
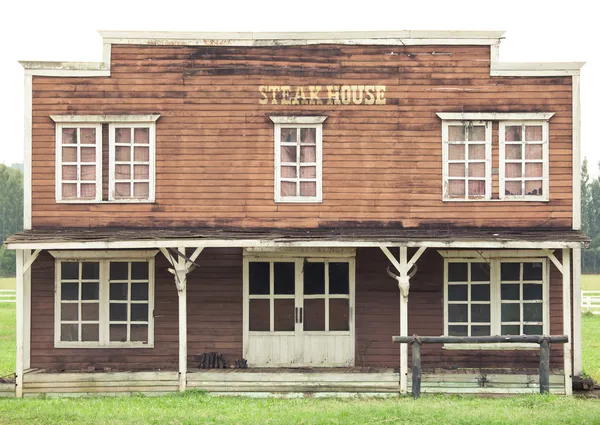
(380, 162)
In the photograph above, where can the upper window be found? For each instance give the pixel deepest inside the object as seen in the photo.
(524, 160)
(467, 152)
(496, 296)
(104, 302)
(131, 162)
(78, 162)
(298, 159)
(130, 157)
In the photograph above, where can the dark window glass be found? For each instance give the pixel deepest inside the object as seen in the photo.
(283, 315)
(339, 310)
(458, 272)
(509, 292)
(314, 278)
(69, 311)
(480, 272)
(510, 271)
(118, 333)
(69, 270)
(139, 291)
(69, 291)
(284, 278)
(460, 330)
(90, 311)
(118, 312)
(90, 332)
(480, 313)
(511, 312)
(533, 330)
(259, 276)
(119, 270)
(457, 313)
(69, 332)
(314, 314)
(480, 292)
(532, 312)
(339, 278)
(139, 333)
(480, 330)
(532, 291)
(90, 291)
(510, 330)
(532, 271)
(90, 271)
(118, 291)
(139, 312)
(457, 292)
(259, 315)
(139, 270)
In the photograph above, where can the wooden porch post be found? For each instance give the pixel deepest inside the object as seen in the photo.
(566, 280)
(20, 363)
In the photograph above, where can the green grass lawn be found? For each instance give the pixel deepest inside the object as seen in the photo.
(8, 283)
(198, 408)
(590, 334)
(7, 338)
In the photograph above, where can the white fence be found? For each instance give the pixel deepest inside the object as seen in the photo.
(8, 295)
(590, 302)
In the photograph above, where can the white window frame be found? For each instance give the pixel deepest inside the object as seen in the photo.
(151, 125)
(59, 161)
(446, 161)
(104, 258)
(495, 258)
(545, 161)
(295, 122)
(97, 121)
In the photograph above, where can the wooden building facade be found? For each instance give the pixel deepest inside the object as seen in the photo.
(262, 212)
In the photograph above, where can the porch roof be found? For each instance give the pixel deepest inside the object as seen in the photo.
(434, 237)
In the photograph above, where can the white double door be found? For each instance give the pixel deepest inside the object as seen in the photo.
(298, 311)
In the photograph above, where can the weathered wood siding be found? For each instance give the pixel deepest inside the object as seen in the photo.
(215, 318)
(381, 163)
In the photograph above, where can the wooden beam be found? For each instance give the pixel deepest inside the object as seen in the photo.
(20, 324)
(182, 295)
(168, 256)
(544, 367)
(553, 258)
(403, 319)
(194, 256)
(390, 257)
(31, 259)
(415, 258)
(510, 339)
(566, 295)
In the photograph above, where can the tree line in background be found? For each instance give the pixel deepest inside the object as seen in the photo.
(590, 219)
(11, 215)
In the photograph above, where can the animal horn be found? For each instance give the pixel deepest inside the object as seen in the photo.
(392, 275)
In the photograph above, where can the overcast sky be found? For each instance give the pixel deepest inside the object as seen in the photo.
(66, 31)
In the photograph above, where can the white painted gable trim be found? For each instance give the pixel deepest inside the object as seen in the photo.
(104, 118)
(492, 116)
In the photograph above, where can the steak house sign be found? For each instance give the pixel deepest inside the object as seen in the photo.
(322, 95)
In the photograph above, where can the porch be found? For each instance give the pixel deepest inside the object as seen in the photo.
(210, 311)
(261, 382)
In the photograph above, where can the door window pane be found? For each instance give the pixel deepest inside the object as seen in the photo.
(90, 332)
(511, 312)
(285, 278)
(458, 272)
(284, 310)
(510, 271)
(339, 278)
(314, 315)
(458, 292)
(480, 292)
(118, 333)
(480, 313)
(118, 312)
(458, 313)
(69, 291)
(458, 330)
(339, 310)
(259, 315)
(314, 278)
(259, 278)
(480, 272)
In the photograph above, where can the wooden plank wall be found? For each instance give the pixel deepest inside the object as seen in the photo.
(381, 163)
(215, 318)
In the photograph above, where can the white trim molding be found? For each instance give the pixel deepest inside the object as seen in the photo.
(28, 140)
(494, 116)
(576, 149)
(104, 118)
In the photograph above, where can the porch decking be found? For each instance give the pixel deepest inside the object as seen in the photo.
(277, 382)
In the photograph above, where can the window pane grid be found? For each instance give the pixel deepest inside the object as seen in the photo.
(74, 146)
(298, 169)
(79, 302)
(524, 168)
(132, 175)
(470, 324)
(472, 181)
(521, 302)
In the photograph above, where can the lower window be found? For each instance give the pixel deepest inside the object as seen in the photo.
(495, 297)
(104, 302)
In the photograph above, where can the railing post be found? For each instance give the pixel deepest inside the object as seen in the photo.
(544, 366)
(416, 367)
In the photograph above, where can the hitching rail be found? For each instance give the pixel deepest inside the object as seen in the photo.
(543, 340)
